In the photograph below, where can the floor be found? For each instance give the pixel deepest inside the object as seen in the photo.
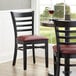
(38, 69)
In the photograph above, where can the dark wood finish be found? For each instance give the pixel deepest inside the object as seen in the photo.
(23, 22)
(65, 32)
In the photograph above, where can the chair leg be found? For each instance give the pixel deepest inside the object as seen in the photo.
(57, 66)
(54, 65)
(67, 67)
(33, 54)
(24, 57)
(46, 53)
(15, 54)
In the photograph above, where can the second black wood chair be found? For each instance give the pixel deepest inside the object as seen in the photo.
(66, 45)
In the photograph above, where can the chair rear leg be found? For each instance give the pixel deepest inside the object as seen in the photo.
(33, 54)
(46, 53)
(15, 54)
(54, 65)
(24, 57)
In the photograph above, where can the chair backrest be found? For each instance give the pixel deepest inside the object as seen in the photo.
(65, 31)
(23, 22)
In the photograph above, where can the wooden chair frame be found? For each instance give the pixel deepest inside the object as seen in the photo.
(35, 40)
(63, 48)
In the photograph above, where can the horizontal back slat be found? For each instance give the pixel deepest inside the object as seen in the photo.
(23, 25)
(22, 14)
(67, 23)
(66, 43)
(69, 37)
(23, 30)
(23, 20)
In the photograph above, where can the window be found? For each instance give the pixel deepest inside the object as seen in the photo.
(72, 6)
(62, 9)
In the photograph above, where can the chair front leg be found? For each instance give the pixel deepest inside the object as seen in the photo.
(24, 56)
(46, 53)
(33, 53)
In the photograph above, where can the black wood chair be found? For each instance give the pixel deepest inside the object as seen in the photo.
(23, 23)
(66, 45)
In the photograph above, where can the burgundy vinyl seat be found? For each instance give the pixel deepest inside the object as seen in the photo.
(23, 23)
(66, 49)
(30, 38)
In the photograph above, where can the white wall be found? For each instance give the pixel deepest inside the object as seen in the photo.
(7, 36)
(14, 4)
